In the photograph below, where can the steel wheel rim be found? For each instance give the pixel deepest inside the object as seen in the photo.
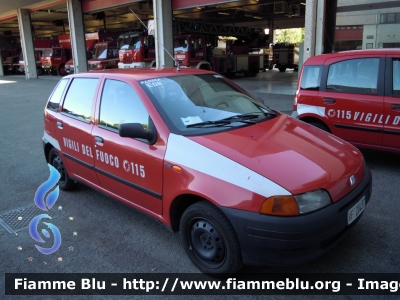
(59, 166)
(206, 243)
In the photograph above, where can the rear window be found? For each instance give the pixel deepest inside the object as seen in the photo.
(311, 78)
(354, 76)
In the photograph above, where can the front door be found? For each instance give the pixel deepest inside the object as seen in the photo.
(129, 168)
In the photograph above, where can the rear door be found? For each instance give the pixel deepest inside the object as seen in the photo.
(351, 98)
(129, 168)
(391, 134)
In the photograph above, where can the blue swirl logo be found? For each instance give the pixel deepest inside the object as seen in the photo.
(40, 198)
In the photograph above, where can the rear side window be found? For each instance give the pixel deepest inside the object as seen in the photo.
(120, 104)
(79, 98)
(354, 76)
(311, 78)
(396, 77)
(55, 98)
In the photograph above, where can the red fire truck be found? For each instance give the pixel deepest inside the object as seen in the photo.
(105, 56)
(284, 56)
(10, 60)
(200, 51)
(197, 45)
(54, 59)
(91, 46)
(39, 45)
(136, 50)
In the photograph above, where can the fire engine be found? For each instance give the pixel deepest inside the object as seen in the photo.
(39, 46)
(10, 60)
(54, 59)
(105, 56)
(91, 41)
(136, 50)
(284, 56)
(198, 47)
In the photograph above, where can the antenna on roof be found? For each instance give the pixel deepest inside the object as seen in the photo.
(176, 62)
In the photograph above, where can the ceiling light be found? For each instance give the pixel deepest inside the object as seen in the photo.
(223, 13)
(302, 3)
(257, 17)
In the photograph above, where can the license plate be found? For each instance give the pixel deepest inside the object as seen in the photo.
(355, 211)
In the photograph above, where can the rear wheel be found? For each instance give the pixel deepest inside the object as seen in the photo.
(39, 71)
(230, 74)
(253, 70)
(65, 183)
(210, 240)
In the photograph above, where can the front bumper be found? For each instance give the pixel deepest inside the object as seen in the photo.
(273, 240)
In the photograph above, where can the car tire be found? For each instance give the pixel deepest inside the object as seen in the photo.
(61, 70)
(65, 183)
(253, 70)
(320, 126)
(210, 240)
(39, 71)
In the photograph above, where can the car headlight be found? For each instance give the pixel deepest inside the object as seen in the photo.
(296, 204)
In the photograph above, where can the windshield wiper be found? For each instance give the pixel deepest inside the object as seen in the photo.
(245, 118)
(210, 123)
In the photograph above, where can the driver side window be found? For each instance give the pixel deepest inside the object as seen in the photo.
(120, 104)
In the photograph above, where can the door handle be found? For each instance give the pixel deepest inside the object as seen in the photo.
(59, 124)
(328, 100)
(396, 106)
(98, 139)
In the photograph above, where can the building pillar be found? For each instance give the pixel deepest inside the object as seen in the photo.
(330, 25)
(310, 29)
(320, 27)
(28, 49)
(163, 33)
(77, 31)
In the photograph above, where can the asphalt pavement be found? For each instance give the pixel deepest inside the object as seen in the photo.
(102, 235)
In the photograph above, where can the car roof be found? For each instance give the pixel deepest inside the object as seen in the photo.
(147, 73)
(320, 59)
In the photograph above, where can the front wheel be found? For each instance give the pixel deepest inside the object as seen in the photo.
(65, 183)
(61, 70)
(210, 240)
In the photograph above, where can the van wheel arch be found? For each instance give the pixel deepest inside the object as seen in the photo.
(317, 123)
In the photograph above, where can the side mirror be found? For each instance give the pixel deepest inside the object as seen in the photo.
(136, 131)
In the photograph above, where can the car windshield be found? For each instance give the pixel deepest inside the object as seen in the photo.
(181, 44)
(198, 104)
(132, 42)
(47, 52)
(100, 51)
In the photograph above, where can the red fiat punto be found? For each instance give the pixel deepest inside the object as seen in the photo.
(241, 182)
(355, 95)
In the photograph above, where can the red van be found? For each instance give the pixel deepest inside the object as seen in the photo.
(354, 95)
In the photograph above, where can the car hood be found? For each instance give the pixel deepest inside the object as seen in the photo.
(297, 156)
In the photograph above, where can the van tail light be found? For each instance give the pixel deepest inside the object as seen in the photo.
(296, 95)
